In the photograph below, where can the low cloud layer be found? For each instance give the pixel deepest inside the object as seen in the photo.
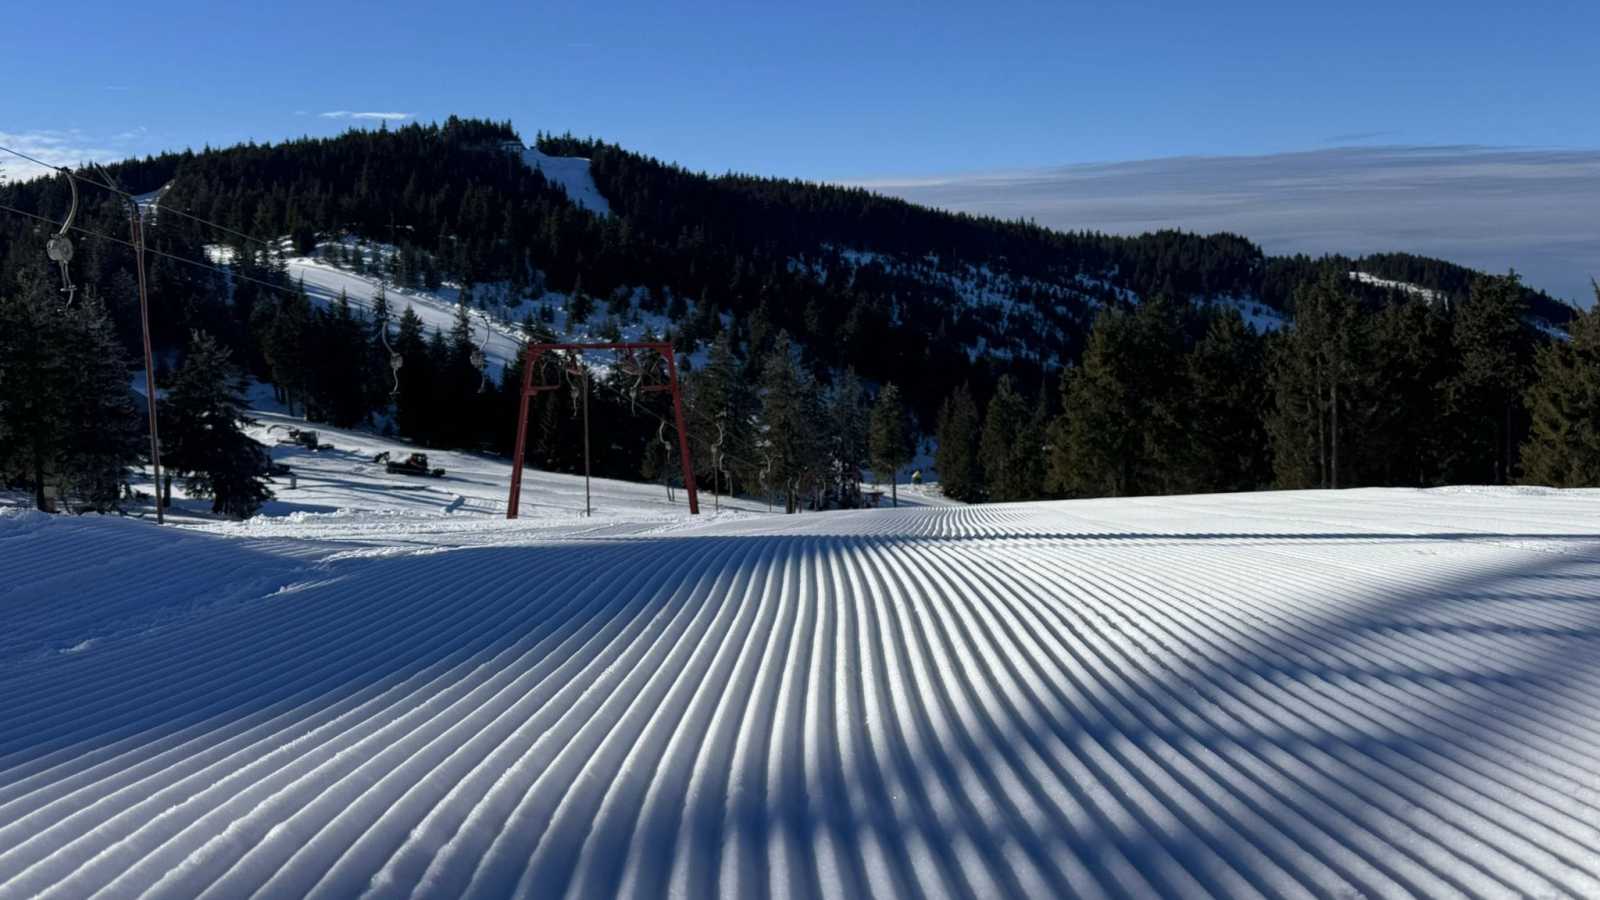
(1492, 209)
(347, 114)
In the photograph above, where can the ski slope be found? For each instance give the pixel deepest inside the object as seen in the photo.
(571, 174)
(1373, 692)
(437, 309)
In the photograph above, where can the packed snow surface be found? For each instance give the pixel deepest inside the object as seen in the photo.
(1377, 692)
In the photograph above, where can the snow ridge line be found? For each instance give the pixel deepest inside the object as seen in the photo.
(1032, 700)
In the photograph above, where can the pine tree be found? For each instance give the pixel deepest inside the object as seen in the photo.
(1227, 447)
(790, 423)
(1494, 347)
(33, 386)
(1563, 445)
(1118, 434)
(721, 397)
(203, 424)
(849, 433)
(105, 429)
(1411, 357)
(1318, 374)
(67, 418)
(379, 377)
(960, 469)
(891, 442)
(285, 349)
(579, 308)
(1003, 449)
(413, 405)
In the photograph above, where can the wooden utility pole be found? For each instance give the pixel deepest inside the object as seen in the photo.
(583, 373)
(136, 222)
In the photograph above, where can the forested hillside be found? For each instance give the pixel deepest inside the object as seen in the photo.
(1047, 363)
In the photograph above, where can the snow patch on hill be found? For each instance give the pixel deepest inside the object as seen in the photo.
(1427, 294)
(571, 174)
(497, 309)
(1257, 315)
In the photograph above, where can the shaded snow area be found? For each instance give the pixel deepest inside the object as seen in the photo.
(1260, 317)
(571, 174)
(1373, 692)
(1014, 313)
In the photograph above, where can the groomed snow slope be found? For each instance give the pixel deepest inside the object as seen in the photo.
(1365, 692)
(571, 174)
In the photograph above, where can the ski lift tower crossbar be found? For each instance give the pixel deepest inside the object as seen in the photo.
(530, 361)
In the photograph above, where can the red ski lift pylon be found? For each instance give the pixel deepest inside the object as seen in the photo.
(530, 361)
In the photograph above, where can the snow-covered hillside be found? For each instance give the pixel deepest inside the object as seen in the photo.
(1375, 692)
(437, 309)
(496, 311)
(571, 174)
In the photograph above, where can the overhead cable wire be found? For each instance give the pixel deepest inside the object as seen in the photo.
(152, 251)
(80, 175)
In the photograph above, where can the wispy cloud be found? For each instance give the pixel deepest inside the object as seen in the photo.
(1356, 137)
(1489, 208)
(347, 114)
(54, 148)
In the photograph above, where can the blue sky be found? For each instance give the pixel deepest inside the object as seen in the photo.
(863, 91)
(824, 90)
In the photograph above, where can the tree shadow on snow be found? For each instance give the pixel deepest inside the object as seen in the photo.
(1072, 739)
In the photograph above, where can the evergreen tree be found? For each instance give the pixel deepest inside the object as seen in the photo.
(67, 418)
(203, 424)
(379, 376)
(724, 402)
(579, 308)
(1563, 445)
(337, 364)
(1119, 434)
(1494, 347)
(891, 439)
(106, 433)
(960, 469)
(285, 349)
(1005, 448)
(413, 405)
(33, 385)
(1318, 376)
(790, 423)
(1227, 447)
(849, 421)
(1411, 357)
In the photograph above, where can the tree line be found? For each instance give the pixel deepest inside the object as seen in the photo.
(459, 205)
(1368, 386)
(72, 428)
(1171, 399)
